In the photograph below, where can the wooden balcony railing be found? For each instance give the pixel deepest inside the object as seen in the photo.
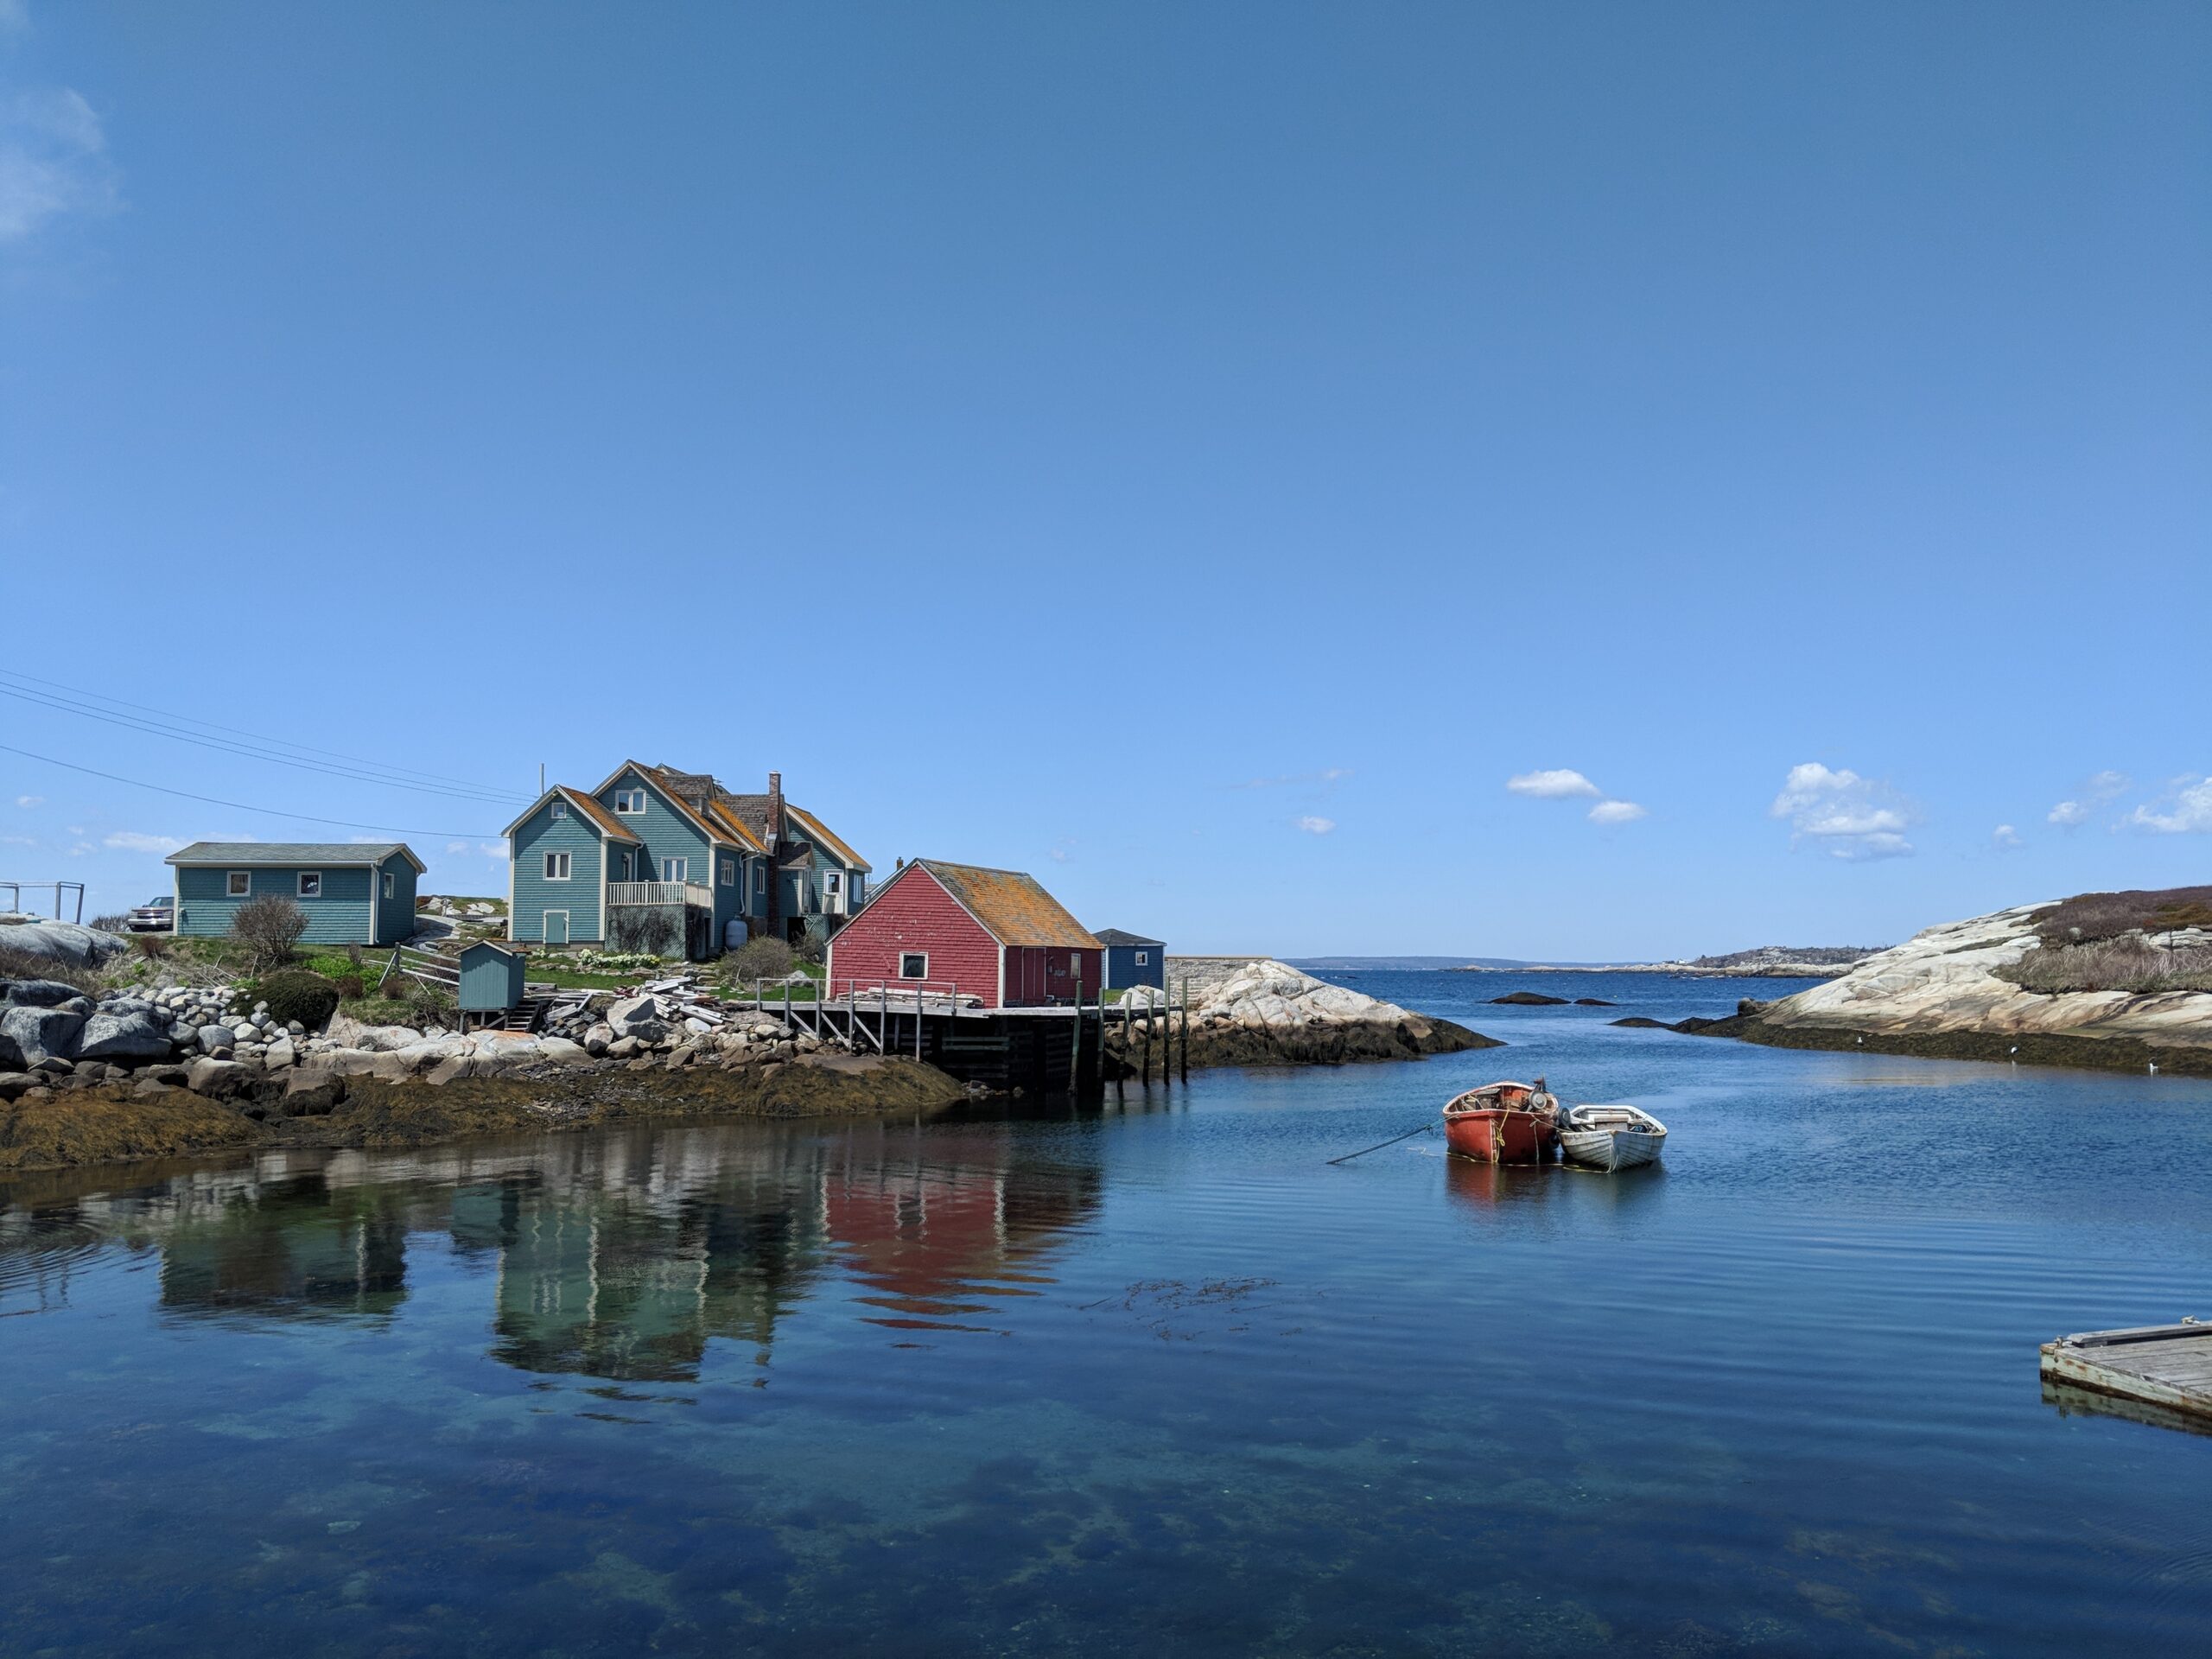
(659, 892)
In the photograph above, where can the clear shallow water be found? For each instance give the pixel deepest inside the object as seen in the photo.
(1151, 1380)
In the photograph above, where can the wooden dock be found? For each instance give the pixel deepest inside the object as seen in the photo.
(2165, 1366)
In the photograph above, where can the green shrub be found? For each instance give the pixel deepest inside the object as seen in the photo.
(762, 959)
(294, 994)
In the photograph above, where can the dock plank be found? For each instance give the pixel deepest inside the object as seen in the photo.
(2167, 1365)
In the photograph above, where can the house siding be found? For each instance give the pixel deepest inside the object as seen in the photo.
(1122, 971)
(345, 914)
(537, 835)
(491, 979)
(395, 915)
(914, 912)
(666, 833)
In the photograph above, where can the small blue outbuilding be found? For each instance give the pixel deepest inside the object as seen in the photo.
(350, 893)
(1132, 960)
(490, 977)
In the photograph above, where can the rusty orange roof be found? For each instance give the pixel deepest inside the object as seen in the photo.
(822, 833)
(728, 819)
(598, 814)
(1013, 906)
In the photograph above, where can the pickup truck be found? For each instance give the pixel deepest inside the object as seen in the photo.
(155, 916)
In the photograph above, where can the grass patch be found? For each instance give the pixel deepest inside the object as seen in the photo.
(2131, 964)
(2088, 917)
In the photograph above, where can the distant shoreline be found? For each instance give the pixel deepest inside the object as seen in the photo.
(1681, 969)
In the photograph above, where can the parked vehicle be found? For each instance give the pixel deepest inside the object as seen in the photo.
(1503, 1123)
(155, 915)
(1611, 1137)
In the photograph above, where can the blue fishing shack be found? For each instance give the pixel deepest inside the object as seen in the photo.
(1133, 960)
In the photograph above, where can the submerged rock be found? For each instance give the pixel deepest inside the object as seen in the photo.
(1529, 1000)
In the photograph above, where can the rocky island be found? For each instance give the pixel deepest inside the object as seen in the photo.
(2103, 979)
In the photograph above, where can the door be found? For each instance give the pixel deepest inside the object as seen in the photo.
(557, 927)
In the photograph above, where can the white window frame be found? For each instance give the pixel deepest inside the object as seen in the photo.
(833, 884)
(559, 866)
(391, 884)
(906, 956)
(630, 803)
(238, 884)
(1144, 958)
(676, 870)
(759, 878)
(301, 889)
(730, 872)
(558, 810)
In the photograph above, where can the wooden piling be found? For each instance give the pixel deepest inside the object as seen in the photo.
(1187, 1025)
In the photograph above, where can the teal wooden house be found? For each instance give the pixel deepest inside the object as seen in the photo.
(670, 863)
(491, 978)
(350, 894)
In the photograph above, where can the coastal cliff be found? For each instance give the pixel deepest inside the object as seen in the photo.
(1248, 1011)
(2031, 984)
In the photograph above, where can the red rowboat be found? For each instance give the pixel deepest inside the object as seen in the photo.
(1503, 1123)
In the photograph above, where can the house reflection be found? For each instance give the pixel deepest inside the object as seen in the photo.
(622, 1255)
(287, 1248)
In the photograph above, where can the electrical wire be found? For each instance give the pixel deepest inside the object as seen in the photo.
(169, 723)
(242, 806)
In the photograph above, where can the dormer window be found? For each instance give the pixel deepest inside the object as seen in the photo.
(559, 811)
(630, 802)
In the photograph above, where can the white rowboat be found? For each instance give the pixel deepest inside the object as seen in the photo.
(1611, 1137)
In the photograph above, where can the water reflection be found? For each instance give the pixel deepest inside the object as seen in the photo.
(622, 1257)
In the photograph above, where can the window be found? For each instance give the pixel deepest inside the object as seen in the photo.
(759, 878)
(625, 876)
(557, 867)
(1144, 958)
(831, 884)
(560, 808)
(676, 869)
(914, 964)
(310, 884)
(730, 872)
(391, 884)
(860, 887)
(630, 801)
(238, 884)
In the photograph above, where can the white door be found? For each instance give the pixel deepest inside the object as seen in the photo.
(557, 927)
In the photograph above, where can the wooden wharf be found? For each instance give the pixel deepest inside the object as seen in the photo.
(2167, 1367)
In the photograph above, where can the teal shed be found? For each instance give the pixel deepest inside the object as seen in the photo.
(490, 977)
(349, 893)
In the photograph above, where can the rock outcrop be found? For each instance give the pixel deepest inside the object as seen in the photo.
(1940, 994)
(1267, 1013)
(61, 942)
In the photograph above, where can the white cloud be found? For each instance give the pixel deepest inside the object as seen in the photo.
(2094, 790)
(2005, 836)
(18, 841)
(493, 849)
(28, 801)
(1556, 784)
(53, 161)
(131, 841)
(452, 846)
(1616, 812)
(2186, 809)
(1853, 817)
(1860, 849)
(1326, 775)
(1313, 826)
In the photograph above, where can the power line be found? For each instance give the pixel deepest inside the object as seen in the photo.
(386, 768)
(222, 747)
(242, 806)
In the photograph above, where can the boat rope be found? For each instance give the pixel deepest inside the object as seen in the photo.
(1422, 1129)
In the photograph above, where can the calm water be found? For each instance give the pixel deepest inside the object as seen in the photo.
(1153, 1380)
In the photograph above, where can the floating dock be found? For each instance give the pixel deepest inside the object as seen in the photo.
(2165, 1366)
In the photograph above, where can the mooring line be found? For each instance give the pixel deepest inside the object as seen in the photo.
(1379, 1144)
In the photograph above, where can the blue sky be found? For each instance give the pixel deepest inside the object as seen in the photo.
(1201, 454)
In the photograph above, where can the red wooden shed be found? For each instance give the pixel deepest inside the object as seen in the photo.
(995, 934)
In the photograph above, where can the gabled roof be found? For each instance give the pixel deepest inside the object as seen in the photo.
(730, 821)
(1115, 936)
(658, 778)
(1012, 907)
(815, 826)
(251, 854)
(753, 809)
(594, 814)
